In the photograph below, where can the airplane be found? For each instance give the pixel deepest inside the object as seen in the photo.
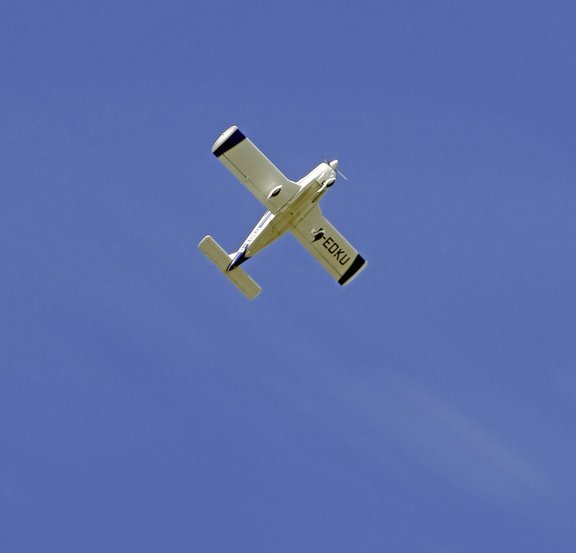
(290, 206)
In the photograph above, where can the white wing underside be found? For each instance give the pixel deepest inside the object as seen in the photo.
(328, 246)
(253, 169)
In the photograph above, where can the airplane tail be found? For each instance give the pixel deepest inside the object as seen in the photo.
(215, 253)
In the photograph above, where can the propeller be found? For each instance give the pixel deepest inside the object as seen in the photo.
(334, 165)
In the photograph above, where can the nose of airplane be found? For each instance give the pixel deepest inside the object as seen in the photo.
(334, 164)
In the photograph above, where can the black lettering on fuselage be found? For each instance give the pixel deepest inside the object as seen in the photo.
(336, 250)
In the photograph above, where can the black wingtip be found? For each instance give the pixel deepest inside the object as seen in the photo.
(228, 139)
(357, 264)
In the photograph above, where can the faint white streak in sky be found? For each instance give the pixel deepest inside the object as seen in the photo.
(468, 451)
(390, 416)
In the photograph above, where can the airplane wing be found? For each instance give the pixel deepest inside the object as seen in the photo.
(251, 167)
(328, 246)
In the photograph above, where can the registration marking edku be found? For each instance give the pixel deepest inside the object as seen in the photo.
(336, 250)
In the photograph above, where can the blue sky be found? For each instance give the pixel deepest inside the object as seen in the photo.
(146, 406)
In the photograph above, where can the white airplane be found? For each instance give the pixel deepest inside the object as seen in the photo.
(291, 206)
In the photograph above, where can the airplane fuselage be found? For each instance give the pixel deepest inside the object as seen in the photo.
(274, 224)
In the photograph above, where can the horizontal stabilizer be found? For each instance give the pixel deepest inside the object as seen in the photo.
(214, 252)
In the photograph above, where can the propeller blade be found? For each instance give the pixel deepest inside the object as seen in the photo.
(334, 165)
